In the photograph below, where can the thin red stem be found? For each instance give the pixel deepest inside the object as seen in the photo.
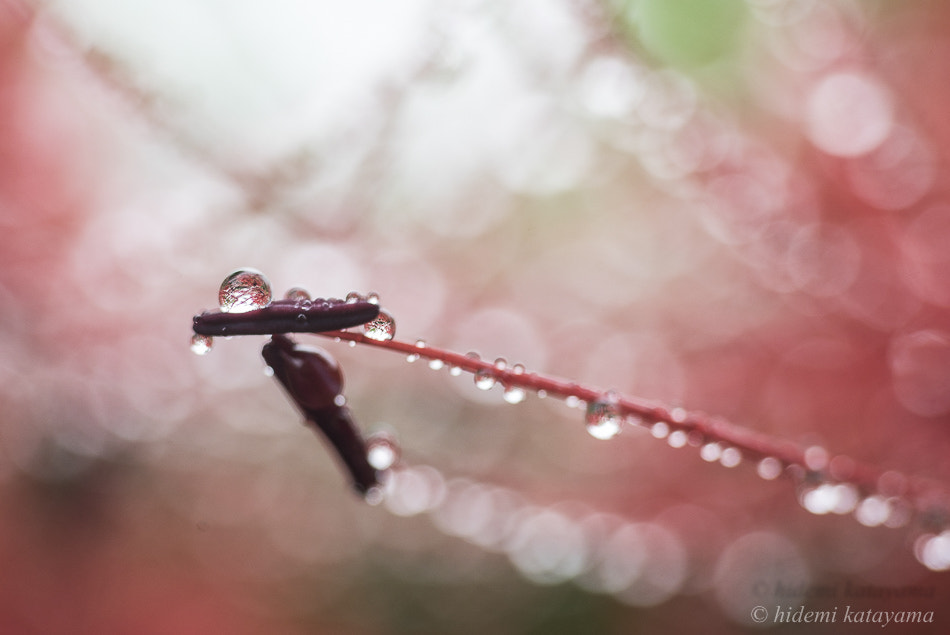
(700, 427)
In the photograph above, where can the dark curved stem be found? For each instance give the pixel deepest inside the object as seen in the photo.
(313, 380)
(287, 316)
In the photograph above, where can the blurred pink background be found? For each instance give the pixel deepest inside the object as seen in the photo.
(749, 219)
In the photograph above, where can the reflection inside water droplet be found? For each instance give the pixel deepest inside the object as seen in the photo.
(244, 290)
(603, 418)
(201, 344)
(382, 329)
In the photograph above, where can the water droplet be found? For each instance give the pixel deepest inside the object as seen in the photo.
(382, 329)
(298, 294)
(677, 439)
(351, 343)
(873, 511)
(411, 357)
(660, 429)
(375, 495)
(382, 451)
(711, 452)
(514, 394)
(484, 379)
(244, 290)
(455, 371)
(572, 401)
(542, 394)
(268, 371)
(201, 344)
(603, 418)
(339, 401)
(518, 369)
(372, 297)
(352, 297)
(301, 318)
(731, 457)
(501, 363)
(678, 415)
(769, 468)
(934, 551)
(819, 500)
(436, 364)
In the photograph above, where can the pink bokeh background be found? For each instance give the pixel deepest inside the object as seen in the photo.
(763, 238)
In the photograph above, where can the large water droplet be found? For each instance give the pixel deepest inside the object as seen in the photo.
(603, 418)
(484, 379)
(244, 290)
(353, 296)
(382, 329)
(514, 394)
(298, 294)
(201, 344)
(382, 451)
(372, 297)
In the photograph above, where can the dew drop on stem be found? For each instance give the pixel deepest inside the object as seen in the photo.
(201, 344)
(382, 329)
(484, 379)
(603, 419)
(769, 468)
(382, 451)
(244, 290)
(352, 297)
(514, 394)
(298, 294)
